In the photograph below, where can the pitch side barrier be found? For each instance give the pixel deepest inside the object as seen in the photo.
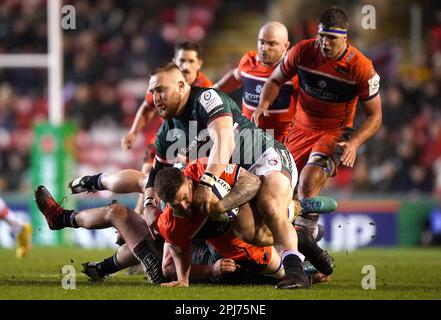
(356, 223)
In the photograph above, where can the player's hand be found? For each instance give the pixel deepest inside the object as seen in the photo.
(175, 284)
(319, 277)
(216, 207)
(201, 200)
(223, 266)
(151, 214)
(349, 153)
(258, 113)
(128, 141)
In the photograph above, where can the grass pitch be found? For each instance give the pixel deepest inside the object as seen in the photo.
(400, 274)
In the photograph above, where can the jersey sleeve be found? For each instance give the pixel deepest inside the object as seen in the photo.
(368, 80)
(212, 105)
(149, 99)
(231, 174)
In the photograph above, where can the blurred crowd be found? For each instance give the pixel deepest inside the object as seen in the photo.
(116, 44)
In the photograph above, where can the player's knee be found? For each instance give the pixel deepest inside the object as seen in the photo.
(118, 212)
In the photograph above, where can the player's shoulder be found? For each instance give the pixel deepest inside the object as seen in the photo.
(203, 81)
(306, 44)
(210, 98)
(248, 60)
(304, 49)
(357, 59)
(195, 169)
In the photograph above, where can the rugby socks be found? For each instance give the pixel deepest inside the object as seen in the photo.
(93, 182)
(68, 219)
(287, 253)
(150, 262)
(109, 265)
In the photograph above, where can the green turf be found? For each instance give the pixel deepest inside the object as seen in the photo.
(400, 274)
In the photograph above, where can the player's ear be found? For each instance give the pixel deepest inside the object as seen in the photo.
(181, 86)
(287, 44)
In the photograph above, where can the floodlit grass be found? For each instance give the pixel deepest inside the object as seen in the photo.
(400, 274)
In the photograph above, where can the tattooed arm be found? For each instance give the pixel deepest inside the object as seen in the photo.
(245, 189)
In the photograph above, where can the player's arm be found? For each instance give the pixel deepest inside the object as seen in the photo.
(222, 134)
(245, 189)
(229, 82)
(198, 272)
(182, 262)
(269, 93)
(143, 116)
(372, 109)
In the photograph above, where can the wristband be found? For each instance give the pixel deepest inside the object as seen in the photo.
(208, 179)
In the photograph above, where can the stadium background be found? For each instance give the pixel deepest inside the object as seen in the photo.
(393, 195)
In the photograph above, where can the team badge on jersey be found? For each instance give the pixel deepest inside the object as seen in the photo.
(374, 84)
(209, 100)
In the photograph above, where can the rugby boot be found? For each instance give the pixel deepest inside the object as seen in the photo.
(295, 277)
(91, 270)
(83, 184)
(318, 204)
(318, 257)
(51, 210)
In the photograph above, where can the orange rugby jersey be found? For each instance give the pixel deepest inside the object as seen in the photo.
(253, 76)
(179, 231)
(155, 123)
(329, 89)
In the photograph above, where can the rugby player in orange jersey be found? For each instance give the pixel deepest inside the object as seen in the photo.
(179, 224)
(333, 76)
(188, 57)
(253, 71)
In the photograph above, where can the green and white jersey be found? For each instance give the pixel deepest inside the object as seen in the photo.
(187, 135)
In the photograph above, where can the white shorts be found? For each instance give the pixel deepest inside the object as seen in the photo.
(279, 160)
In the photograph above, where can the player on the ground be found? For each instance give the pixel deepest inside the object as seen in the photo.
(121, 217)
(253, 71)
(21, 229)
(201, 121)
(128, 181)
(333, 76)
(188, 57)
(179, 224)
